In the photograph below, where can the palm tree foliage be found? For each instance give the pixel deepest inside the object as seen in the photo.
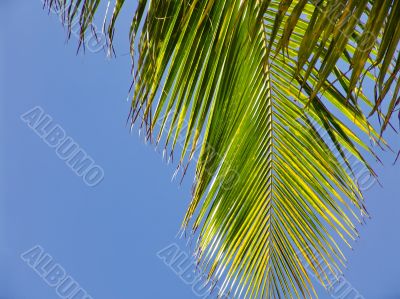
(273, 92)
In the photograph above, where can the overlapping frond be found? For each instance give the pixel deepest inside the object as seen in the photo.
(271, 92)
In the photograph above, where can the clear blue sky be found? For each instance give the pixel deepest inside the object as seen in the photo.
(106, 237)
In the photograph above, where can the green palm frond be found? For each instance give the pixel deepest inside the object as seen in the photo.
(273, 94)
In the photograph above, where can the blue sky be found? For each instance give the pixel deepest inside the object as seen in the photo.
(107, 237)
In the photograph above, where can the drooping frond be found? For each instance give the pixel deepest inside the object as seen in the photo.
(272, 93)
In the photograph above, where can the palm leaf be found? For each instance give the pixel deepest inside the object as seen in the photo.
(273, 94)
